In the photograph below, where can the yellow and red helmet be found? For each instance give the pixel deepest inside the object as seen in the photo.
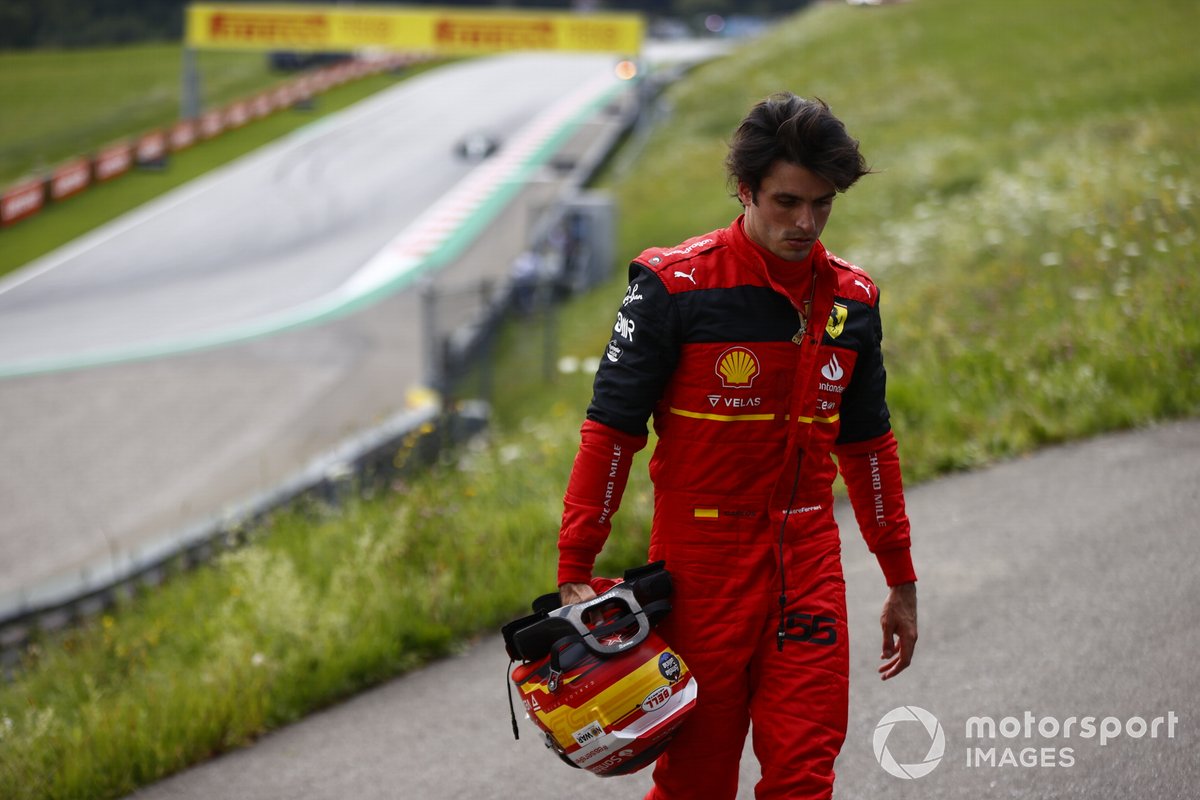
(607, 692)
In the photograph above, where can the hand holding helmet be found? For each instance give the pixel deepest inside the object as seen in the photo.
(575, 593)
(607, 692)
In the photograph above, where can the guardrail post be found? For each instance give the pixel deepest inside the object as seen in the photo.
(493, 313)
(434, 373)
(549, 330)
(189, 95)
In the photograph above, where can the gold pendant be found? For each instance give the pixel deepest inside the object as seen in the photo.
(799, 337)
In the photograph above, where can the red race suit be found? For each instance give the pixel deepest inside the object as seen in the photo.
(757, 372)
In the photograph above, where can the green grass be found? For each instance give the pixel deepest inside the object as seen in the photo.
(62, 103)
(1033, 228)
(59, 223)
(1033, 222)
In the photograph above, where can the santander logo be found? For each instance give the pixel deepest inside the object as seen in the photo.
(833, 370)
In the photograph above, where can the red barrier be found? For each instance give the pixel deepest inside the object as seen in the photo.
(321, 80)
(70, 178)
(182, 136)
(114, 160)
(283, 96)
(212, 123)
(262, 105)
(304, 89)
(237, 114)
(22, 201)
(341, 73)
(151, 150)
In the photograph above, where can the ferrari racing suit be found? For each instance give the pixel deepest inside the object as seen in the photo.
(755, 370)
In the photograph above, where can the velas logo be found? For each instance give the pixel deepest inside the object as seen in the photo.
(737, 368)
(902, 715)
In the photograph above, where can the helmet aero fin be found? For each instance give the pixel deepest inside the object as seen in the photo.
(607, 692)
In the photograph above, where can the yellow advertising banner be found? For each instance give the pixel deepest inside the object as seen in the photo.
(407, 29)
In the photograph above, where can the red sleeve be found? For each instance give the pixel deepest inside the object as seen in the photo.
(593, 496)
(871, 470)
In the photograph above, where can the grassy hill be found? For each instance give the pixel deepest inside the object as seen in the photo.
(1033, 228)
(1033, 221)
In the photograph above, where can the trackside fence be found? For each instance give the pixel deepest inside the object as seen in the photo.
(571, 250)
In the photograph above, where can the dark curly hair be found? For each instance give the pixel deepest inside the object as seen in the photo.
(799, 131)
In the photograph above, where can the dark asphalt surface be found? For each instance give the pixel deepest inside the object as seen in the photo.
(1063, 585)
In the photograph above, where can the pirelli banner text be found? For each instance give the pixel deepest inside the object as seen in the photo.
(407, 29)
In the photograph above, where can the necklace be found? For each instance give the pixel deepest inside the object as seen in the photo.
(806, 308)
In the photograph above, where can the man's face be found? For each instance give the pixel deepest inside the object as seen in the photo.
(790, 212)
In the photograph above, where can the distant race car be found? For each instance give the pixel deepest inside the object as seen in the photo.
(476, 146)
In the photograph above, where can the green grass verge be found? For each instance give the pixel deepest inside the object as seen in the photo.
(1033, 227)
(59, 223)
(62, 103)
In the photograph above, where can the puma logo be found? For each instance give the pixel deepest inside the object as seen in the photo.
(866, 288)
(691, 276)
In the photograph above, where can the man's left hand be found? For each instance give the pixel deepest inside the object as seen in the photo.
(899, 622)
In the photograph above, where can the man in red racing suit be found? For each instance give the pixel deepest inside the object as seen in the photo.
(758, 355)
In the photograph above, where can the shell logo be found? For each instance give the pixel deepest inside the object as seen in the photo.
(737, 368)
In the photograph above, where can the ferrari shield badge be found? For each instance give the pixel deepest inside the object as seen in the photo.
(837, 320)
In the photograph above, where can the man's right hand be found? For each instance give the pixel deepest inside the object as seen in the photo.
(571, 593)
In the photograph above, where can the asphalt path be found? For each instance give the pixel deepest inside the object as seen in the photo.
(1062, 585)
(105, 464)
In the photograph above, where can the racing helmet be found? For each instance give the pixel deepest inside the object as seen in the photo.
(607, 692)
